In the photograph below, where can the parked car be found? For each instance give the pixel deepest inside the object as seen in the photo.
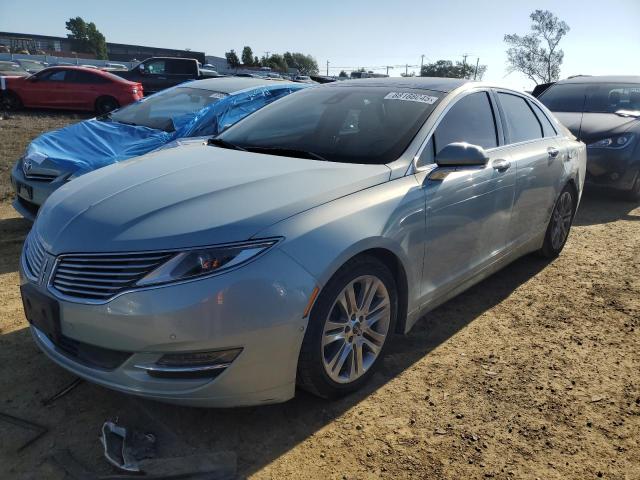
(603, 112)
(12, 69)
(70, 88)
(32, 66)
(110, 66)
(293, 246)
(192, 110)
(158, 73)
(303, 79)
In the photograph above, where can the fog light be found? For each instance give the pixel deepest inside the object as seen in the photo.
(199, 358)
(187, 365)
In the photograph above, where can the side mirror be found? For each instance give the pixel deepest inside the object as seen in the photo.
(462, 155)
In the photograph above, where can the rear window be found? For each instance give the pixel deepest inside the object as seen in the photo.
(609, 98)
(339, 123)
(567, 97)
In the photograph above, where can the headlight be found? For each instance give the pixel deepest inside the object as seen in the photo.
(619, 141)
(200, 262)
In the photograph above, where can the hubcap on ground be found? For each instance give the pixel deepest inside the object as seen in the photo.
(356, 329)
(561, 221)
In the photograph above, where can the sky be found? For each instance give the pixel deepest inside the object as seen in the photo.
(604, 36)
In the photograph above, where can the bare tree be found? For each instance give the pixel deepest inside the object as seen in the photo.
(537, 54)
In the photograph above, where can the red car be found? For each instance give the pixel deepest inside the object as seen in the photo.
(69, 88)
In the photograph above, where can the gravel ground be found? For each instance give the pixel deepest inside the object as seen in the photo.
(533, 373)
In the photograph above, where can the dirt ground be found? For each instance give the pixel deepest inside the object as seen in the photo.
(534, 373)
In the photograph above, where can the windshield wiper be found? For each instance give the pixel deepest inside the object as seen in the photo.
(287, 152)
(218, 142)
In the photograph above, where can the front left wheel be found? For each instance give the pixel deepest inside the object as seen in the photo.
(349, 328)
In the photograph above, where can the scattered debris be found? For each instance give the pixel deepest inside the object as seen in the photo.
(20, 422)
(124, 449)
(597, 398)
(48, 401)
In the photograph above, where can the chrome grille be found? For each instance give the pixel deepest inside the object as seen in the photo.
(102, 276)
(34, 256)
(43, 177)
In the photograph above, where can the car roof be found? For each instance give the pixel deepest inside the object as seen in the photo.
(422, 83)
(232, 84)
(601, 79)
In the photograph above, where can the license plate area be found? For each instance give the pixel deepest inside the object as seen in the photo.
(41, 311)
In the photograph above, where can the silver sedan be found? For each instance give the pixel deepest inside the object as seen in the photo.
(292, 247)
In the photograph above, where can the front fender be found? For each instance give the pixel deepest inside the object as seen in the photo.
(389, 216)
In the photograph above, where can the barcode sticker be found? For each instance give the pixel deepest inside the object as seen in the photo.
(411, 97)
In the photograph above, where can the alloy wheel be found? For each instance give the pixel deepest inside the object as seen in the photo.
(562, 216)
(356, 329)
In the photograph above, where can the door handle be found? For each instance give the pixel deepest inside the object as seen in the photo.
(553, 152)
(501, 164)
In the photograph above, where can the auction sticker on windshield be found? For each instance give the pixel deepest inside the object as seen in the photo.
(411, 97)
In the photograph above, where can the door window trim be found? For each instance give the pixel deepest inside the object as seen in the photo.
(496, 118)
(506, 128)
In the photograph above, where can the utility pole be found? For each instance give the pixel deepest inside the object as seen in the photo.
(267, 54)
(327, 68)
(475, 74)
(389, 67)
(406, 70)
(421, 63)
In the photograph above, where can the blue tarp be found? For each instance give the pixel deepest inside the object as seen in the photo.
(92, 144)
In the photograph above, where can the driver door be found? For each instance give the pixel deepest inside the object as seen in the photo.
(468, 208)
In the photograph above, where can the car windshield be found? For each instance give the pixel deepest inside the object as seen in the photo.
(349, 124)
(158, 110)
(612, 97)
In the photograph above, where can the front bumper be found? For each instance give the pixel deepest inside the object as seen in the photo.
(612, 168)
(258, 308)
(28, 205)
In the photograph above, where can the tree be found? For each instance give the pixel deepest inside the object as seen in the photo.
(232, 58)
(276, 62)
(305, 64)
(446, 68)
(256, 61)
(86, 37)
(537, 55)
(247, 56)
(343, 74)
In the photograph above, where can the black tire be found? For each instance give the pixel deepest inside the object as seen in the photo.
(106, 104)
(10, 101)
(633, 195)
(312, 375)
(552, 247)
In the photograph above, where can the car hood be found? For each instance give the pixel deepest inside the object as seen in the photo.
(596, 126)
(92, 144)
(190, 196)
(590, 127)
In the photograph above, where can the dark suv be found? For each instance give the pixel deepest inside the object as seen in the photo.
(604, 113)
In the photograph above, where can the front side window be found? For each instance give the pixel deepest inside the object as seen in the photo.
(522, 124)
(469, 120)
(159, 110)
(565, 97)
(55, 76)
(350, 124)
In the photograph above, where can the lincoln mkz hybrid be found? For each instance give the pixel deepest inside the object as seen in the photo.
(290, 248)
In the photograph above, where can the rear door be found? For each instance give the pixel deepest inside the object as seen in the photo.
(179, 71)
(537, 153)
(468, 208)
(88, 87)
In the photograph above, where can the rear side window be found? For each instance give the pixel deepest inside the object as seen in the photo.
(609, 98)
(547, 126)
(180, 67)
(568, 97)
(522, 124)
(469, 120)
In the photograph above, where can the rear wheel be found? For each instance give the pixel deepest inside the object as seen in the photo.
(560, 223)
(10, 101)
(349, 329)
(106, 104)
